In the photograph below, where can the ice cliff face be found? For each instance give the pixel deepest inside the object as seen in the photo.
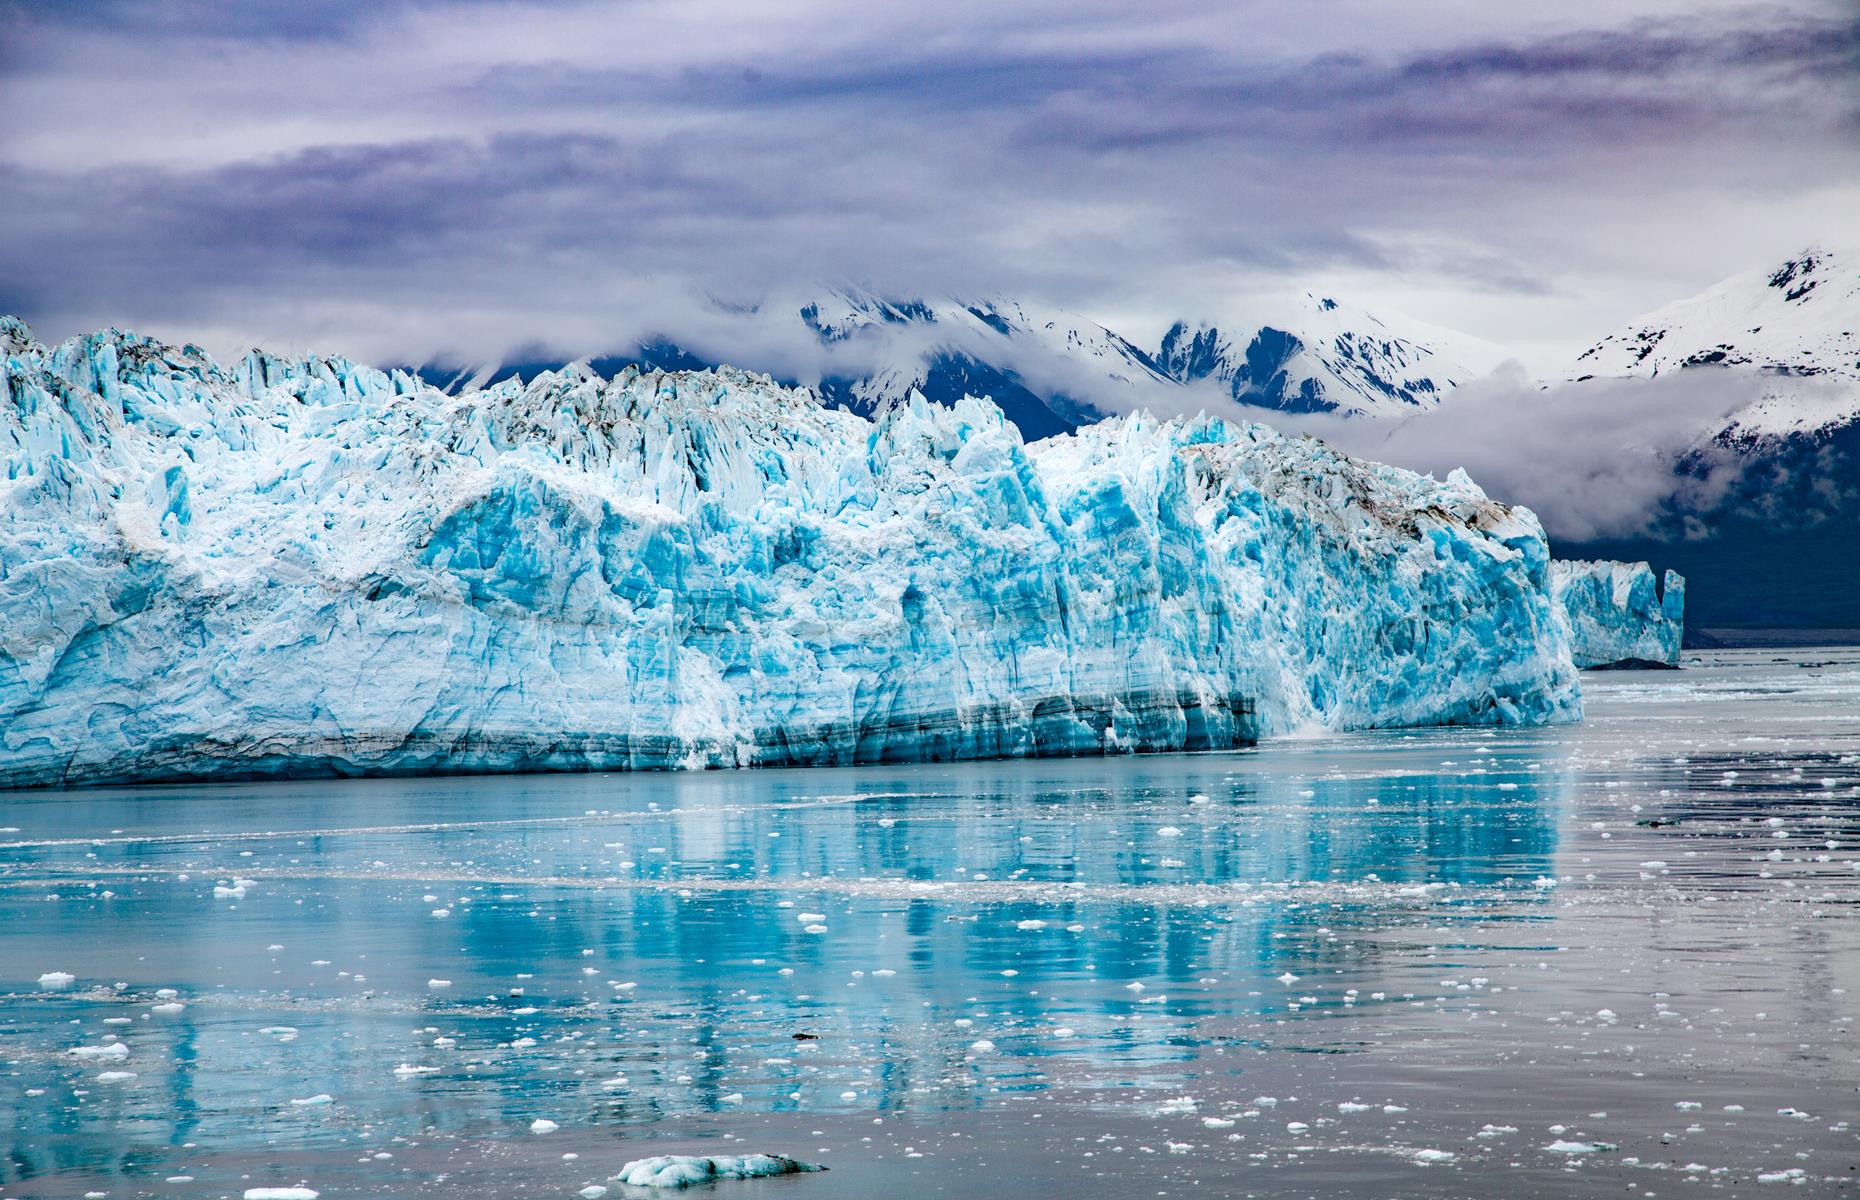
(303, 567)
(1621, 614)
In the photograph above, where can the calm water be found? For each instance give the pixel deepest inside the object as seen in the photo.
(1404, 963)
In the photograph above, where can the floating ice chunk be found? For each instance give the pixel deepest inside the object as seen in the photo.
(1288, 979)
(439, 983)
(543, 1125)
(1433, 1156)
(682, 1170)
(1620, 614)
(320, 1098)
(406, 1070)
(280, 1193)
(1169, 831)
(115, 1076)
(593, 1191)
(1177, 1105)
(168, 1008)
(1789, 1176)
(1351, 1106)
(1560, 1146)
(111, 1050)
(57, 979)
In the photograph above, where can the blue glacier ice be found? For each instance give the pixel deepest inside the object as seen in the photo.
(1620, 614)
(313, 567)
(684, 1170)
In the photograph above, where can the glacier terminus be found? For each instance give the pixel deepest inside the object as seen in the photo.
(311, 567)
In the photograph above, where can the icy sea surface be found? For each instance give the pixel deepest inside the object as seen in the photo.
(1615, 959)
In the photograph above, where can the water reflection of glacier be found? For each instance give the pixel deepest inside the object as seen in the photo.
(623, 949)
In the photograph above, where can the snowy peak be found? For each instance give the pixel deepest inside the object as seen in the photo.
(1794, 328)
(1004, 332)
(1325, 356)
(845, 313)
(1048, 369)
(1799, 318)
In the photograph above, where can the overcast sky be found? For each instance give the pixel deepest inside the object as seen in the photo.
(402, 179)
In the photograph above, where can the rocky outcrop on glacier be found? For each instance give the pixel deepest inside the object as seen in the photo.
(292, 567)
(1620, 614)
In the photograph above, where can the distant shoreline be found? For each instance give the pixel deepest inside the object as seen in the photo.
(1713, 637)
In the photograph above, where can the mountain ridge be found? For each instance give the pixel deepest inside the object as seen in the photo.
(1052, 370)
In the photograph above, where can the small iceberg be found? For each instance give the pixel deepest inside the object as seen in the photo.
(683, 1170)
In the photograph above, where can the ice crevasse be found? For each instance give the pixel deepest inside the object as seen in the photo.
(301, 567)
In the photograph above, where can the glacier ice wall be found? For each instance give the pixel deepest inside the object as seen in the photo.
(1620, 614)
(313, 567)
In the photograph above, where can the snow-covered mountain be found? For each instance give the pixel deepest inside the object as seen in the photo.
(1793, 329)
(1776, 539)
(294, 567)
(1048, 369)
(1320, 355)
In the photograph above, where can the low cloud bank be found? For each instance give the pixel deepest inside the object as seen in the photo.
(1594, 460)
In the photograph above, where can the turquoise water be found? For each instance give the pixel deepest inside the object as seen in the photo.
(1406, 962)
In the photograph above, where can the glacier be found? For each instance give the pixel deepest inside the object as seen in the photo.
(292, 567)
(1620, 614)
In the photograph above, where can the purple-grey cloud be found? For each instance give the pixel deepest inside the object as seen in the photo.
(405, 179)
